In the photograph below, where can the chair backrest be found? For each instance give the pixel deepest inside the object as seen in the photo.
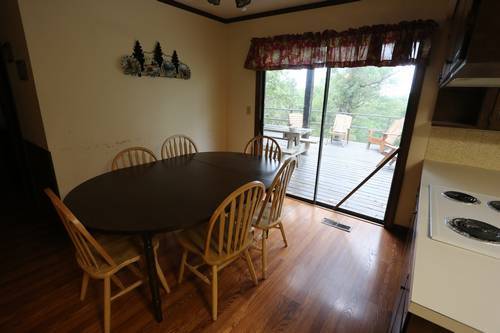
(275, 195)
(178, 145)
(89, 252)
(131, 157)
(394, 131)
(264, 146)
(341, 123)
(229, 227)
(295, 119)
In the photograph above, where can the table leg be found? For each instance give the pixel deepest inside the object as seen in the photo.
(147, 238)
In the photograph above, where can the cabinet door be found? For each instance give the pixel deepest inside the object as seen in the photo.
(461, 26)
(494, 118)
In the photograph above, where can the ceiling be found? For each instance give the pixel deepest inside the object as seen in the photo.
(227, 8)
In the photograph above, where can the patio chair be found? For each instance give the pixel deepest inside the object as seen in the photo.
(388, 138)
(341, 128)
(296, 119)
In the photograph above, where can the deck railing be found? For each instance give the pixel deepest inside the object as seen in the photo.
(361, 122)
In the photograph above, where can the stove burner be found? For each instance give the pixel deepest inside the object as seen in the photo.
(474, 229)
(494, 205)
(462, 197)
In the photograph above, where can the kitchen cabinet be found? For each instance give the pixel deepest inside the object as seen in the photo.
(461, 28)
(402, 320)
(468, 107)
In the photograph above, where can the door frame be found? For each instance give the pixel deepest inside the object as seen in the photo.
(404, 147)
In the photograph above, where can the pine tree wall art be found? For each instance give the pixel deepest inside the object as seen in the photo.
(155, 64)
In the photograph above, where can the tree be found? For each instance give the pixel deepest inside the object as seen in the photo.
(139, 54)
(175, 61)
(158, 55)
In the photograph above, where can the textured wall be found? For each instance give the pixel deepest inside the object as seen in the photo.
(465, 146)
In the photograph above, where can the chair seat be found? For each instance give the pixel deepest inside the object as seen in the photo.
(122, 249)
(193, 239)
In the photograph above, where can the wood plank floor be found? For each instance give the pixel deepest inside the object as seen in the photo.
(342, 169)
(327, 280)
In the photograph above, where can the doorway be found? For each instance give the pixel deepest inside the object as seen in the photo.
(345, 126)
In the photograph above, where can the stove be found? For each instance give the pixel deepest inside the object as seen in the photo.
(465, 219)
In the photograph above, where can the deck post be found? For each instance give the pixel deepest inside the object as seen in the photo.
(308, 96)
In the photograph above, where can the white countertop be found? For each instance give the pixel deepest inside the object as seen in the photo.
(454, 282)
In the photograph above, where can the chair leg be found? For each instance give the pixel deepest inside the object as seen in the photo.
(214, 292)
(85, 283)
(264, 254)
(183, 265)
(282, 229)
(161, 276)
(250, 267)
(107, 304)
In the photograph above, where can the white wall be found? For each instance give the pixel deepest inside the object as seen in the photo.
(91, 110)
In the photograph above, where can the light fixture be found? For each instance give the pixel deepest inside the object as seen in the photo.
(239, 3)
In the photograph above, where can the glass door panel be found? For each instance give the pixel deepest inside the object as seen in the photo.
(363, 124)
(292, 115)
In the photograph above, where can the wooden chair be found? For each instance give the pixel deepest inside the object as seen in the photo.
(178, 145)
(271, 209)
(295, 119)
(103, 256)
(388, 138)
(341, 128)
(131, 157)
(264, 146)
(227, 236)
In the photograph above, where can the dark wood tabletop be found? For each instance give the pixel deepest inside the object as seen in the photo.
(167, 195)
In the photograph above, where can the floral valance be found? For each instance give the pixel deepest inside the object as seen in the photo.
(405, 43)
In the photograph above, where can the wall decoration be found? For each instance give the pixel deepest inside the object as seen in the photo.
(154, 63)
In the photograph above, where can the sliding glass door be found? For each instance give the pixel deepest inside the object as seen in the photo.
(344, 126)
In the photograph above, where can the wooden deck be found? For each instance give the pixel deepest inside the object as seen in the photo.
(342, 169)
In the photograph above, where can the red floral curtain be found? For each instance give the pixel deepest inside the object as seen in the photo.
(404, 43)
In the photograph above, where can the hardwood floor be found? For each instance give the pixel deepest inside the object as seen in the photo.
(327, 280)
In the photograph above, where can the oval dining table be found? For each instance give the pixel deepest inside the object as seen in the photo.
(167, 195)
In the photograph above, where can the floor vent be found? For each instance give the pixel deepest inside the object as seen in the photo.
(337, 225)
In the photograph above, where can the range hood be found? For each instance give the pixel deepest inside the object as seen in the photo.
(474, 58)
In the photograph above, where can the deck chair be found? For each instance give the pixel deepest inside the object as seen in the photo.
(226, 238)
(389, 137)
(341, 128)
(295, 119)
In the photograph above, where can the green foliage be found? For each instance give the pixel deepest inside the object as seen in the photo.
(356, 91)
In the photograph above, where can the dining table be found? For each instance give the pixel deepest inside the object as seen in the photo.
(164, 196)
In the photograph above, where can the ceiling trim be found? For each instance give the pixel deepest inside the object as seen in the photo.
(257, 15)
